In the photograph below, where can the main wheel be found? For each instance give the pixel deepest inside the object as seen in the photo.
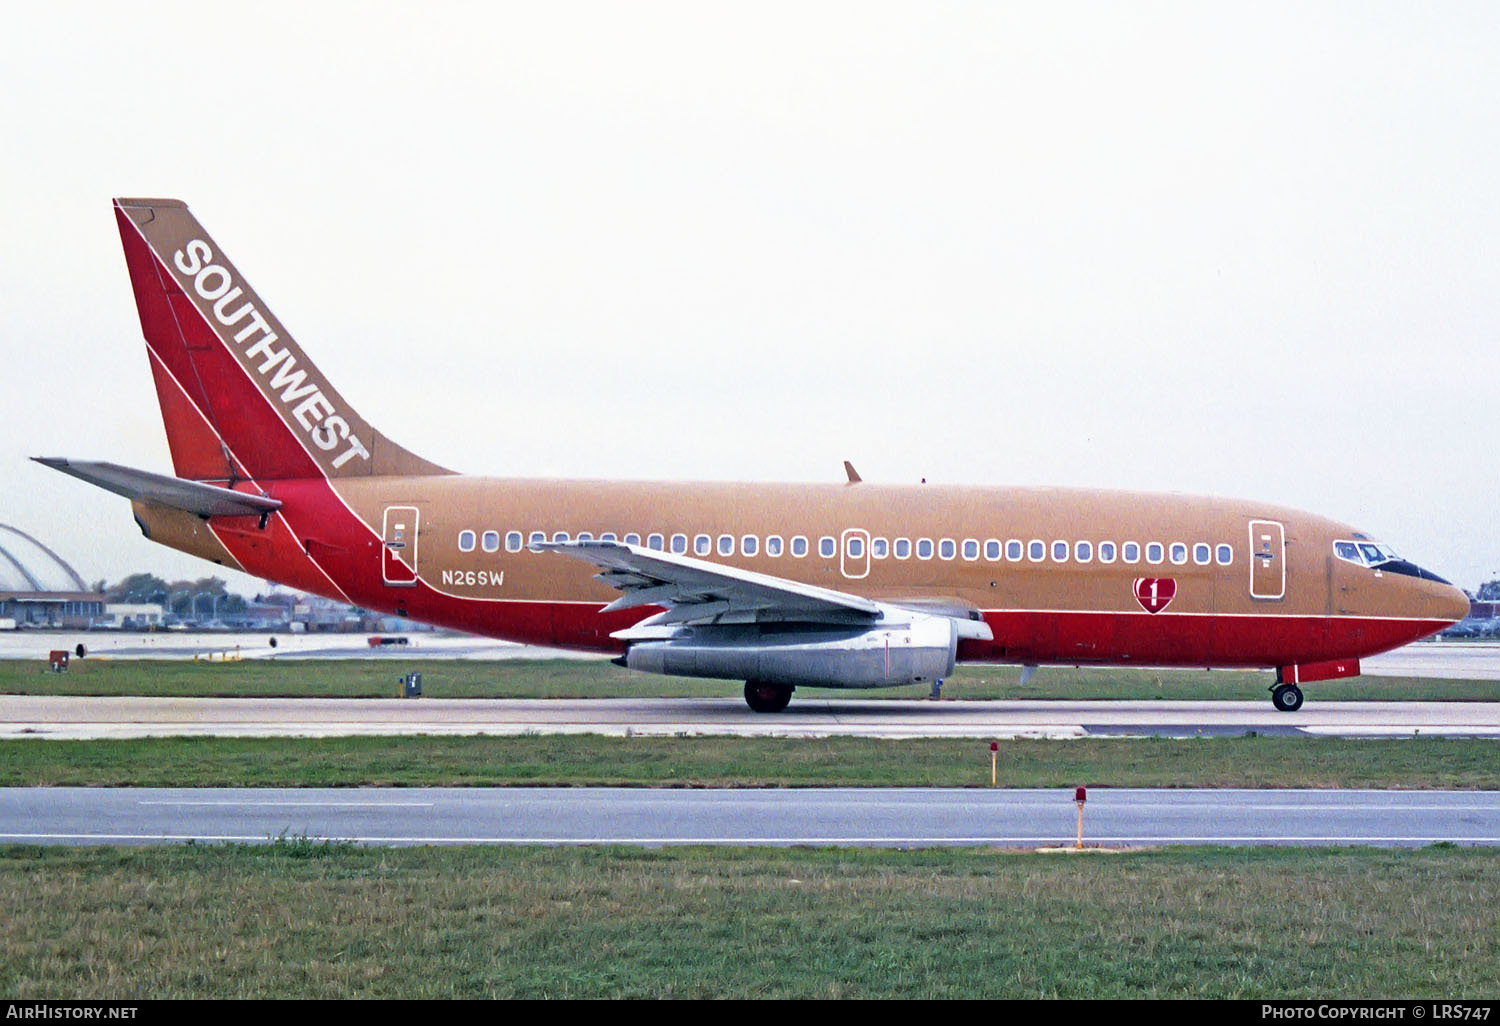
(1287, 697)
(767, 698)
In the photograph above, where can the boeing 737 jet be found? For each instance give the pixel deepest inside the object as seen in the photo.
(846, 585)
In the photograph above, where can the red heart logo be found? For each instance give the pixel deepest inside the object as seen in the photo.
(1155, 593)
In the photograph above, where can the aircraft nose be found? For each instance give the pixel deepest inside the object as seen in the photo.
(1450, 604)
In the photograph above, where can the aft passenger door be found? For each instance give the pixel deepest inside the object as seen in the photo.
(399, 552)
(1267, 559)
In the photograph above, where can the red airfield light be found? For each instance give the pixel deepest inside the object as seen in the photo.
(1081, 795)
(994, 746)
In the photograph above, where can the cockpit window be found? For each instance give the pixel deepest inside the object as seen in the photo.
(1365, 553)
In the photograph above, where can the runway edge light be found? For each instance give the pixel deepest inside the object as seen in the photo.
(994, 754)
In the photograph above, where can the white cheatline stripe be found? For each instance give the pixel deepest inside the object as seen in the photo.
(239, 463)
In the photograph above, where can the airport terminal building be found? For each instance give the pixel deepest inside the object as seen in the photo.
(39, 589)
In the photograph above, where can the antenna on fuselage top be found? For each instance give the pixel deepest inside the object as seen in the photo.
(854, 477)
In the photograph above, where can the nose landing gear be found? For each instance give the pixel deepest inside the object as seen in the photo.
(1286, 697)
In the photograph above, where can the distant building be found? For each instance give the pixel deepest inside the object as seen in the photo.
(38, 588)
(132, 616)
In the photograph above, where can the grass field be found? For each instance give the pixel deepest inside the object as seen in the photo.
(579, 678)
(593, 760)
(298, 919)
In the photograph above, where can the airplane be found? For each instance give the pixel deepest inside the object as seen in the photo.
(840, 585)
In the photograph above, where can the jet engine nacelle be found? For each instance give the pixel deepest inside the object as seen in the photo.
(889, 655)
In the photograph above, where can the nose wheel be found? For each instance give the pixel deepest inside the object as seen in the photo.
(767, 698)
(1286, 697)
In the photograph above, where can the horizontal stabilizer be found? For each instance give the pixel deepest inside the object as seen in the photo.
(206, 500)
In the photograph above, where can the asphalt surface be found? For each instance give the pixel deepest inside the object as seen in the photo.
(89, 718)
(811, 816)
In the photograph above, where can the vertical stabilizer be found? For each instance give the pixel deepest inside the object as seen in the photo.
(239, 398)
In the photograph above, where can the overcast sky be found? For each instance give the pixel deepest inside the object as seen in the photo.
(1235, 249)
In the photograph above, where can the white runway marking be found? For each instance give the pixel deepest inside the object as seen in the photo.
(294, 805)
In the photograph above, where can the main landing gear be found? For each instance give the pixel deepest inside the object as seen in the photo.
(764, 697)
(1286, 697)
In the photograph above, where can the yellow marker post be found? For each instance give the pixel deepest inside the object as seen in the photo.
(1080, 796)
(994, 754)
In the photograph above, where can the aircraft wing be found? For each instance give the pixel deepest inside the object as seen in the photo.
(695, 591)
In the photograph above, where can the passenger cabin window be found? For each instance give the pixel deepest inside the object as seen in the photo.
(491, 541)
(1202, 554)
(1225, 554)
(827, 547)
(513, 541)
(726, 544)
(1154, 552)
(609, 536)
(749, 544)
(560, 536)
(1130, 552)
(1179, 553)
(1059, 552)
(538, 537)
(924, 548)
(465, 541)
(679, 543)
(773, 545)
(855, 546)
(656, 541)
(947, 549)
(880, 547)
(1037, 550)
(1106, 552)
(992, 549)
(971, 548)
(1014, 550)
(902, 548)
(1083, 552)
(702, 544)
(585, 536)
(799, 546)
(634, 539)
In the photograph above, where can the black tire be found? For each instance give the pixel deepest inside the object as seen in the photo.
(763, 697)
(1286, 697)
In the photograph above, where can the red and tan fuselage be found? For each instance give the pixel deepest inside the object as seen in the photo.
(1048, 610)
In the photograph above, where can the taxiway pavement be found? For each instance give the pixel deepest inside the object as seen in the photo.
(87, 718)
(802, 816)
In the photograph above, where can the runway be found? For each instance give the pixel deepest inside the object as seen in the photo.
(86, 718)
(814, 816)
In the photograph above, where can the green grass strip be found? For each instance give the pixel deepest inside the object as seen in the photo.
(594, 760)
(305, 920)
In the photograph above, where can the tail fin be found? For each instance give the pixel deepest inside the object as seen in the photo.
(238, 396)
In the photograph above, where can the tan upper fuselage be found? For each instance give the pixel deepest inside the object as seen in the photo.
(1317, 583)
